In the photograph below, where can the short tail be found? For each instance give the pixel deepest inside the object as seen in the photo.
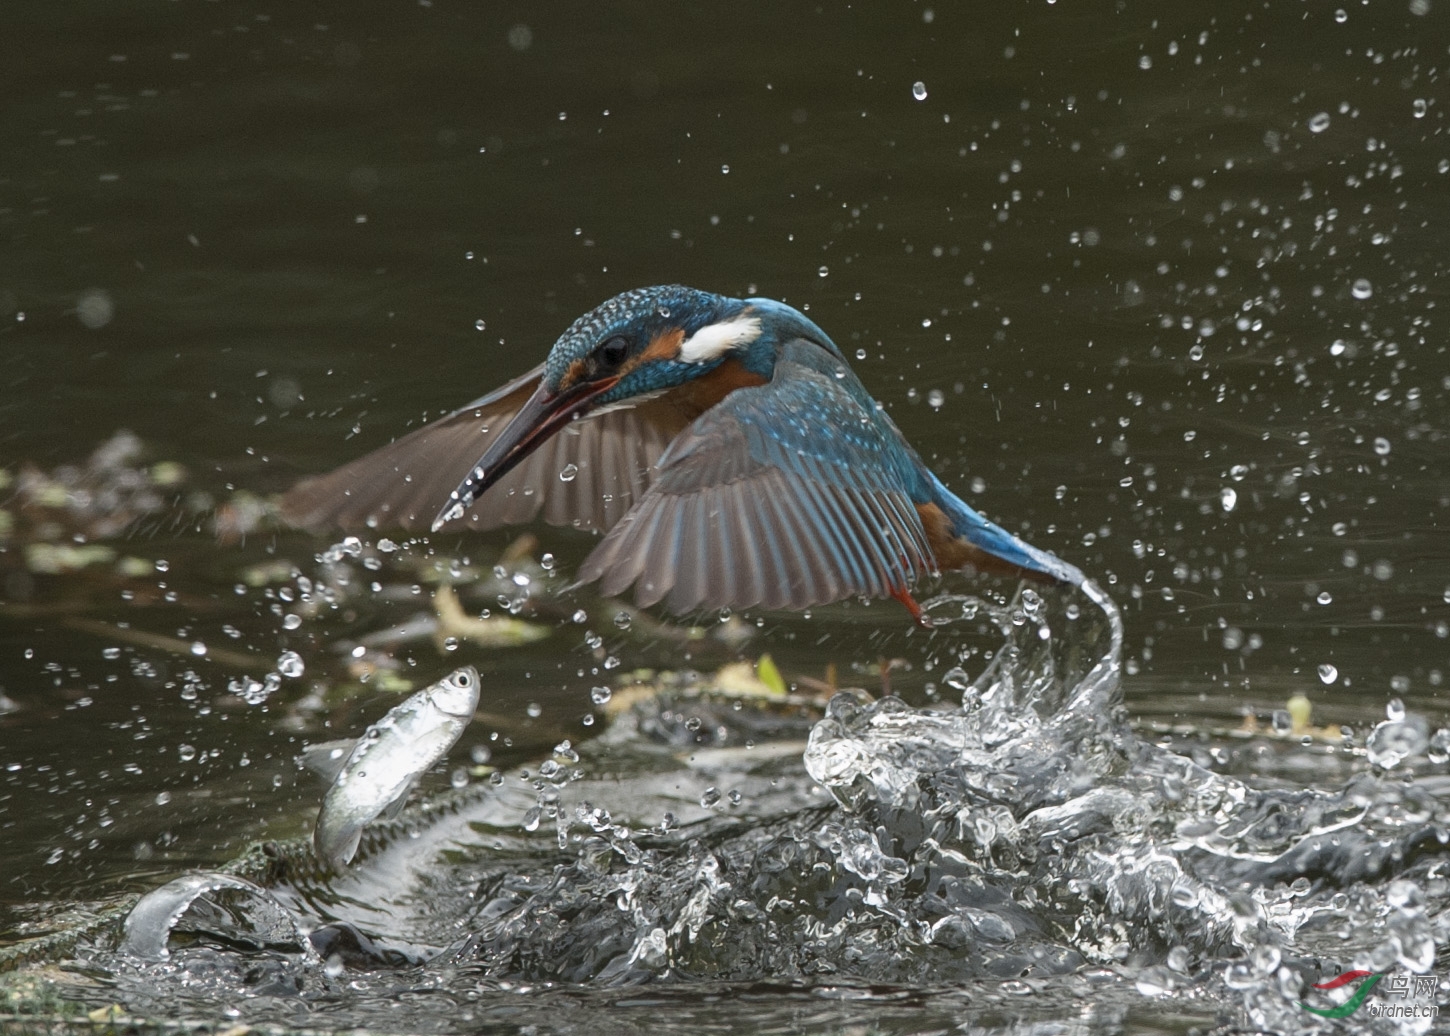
(996, 541)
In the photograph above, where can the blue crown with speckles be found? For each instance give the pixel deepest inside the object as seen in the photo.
(644, 310)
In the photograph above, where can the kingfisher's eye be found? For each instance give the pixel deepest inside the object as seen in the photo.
(613, 352)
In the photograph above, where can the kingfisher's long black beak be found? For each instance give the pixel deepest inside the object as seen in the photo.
(540, 417)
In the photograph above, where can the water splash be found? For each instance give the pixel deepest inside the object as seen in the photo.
(148, 927)
(1026, 839)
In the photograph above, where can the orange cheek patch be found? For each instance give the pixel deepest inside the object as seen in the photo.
(664, 347)
(574, 374)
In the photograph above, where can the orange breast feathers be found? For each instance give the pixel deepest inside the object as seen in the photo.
(697, 395)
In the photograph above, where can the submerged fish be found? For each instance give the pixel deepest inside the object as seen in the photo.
(388, 760)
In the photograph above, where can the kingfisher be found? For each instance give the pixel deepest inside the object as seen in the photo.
(722, 447)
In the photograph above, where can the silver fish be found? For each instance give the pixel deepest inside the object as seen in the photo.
(388, 760)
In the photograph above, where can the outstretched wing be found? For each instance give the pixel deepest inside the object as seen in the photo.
(587, 476)
(789, 494)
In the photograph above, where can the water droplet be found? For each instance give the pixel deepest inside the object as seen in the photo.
(824, 271)
(111, 652)
(725, 169)
(1319, 123)
(935, 398)
(918, 90)
(534, 710)
(95, 308)
(1325, 597)
(1328, 673)
(198, 648)
(289, 664)
(479, 325)
(291, 621)
(1228, 498)
(1265, 959)
(186, 752)
(600, 695)
(1382, 446)
(1419, 107)
(569, 473)
(1361, 288)
(622, 620)
(709, 797)
(163, 797)
(1145, 62)
(1398, 738)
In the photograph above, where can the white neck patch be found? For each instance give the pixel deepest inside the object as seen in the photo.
(714, 341)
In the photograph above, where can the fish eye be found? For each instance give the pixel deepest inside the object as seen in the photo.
(613, 351)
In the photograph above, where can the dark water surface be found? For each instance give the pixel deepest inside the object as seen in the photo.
(1158, 287)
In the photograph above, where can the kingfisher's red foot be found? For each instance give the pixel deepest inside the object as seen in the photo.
(918, 616)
